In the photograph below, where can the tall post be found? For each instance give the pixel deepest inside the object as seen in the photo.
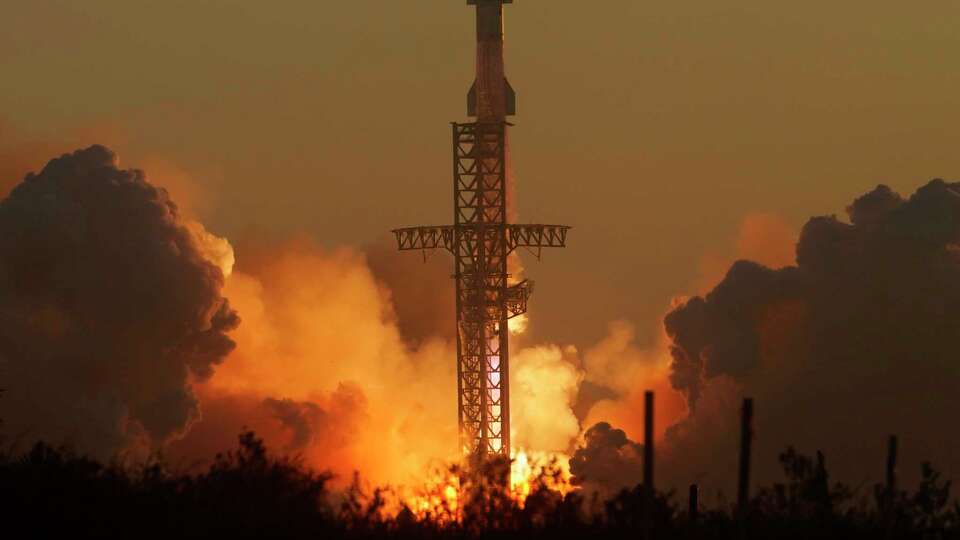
(648, 489)
(890, 488)
(746, 441)
(892, 464)
(693, 504)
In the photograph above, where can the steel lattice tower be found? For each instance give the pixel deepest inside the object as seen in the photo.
(481, 239)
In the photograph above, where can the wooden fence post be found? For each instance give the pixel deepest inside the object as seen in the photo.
(648, 489)
(693, 504)
(892, 464)
(746, 441)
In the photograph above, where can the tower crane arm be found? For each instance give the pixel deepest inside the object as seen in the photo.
(536, 236)
(427, 237)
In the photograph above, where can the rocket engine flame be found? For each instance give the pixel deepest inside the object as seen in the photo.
(518, 325)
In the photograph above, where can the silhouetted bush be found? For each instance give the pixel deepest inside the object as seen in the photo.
(249, 493)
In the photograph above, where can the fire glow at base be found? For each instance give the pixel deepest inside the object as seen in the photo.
(441, 495)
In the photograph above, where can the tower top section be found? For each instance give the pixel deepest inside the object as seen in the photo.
(490, 99)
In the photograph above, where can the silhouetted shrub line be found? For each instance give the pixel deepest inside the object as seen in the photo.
(249, 493)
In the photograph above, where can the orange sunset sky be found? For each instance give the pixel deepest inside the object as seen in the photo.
(656, 129)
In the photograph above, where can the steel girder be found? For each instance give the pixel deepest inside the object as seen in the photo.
(481, 240)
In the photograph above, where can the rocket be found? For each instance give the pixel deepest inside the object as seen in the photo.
(490, 99)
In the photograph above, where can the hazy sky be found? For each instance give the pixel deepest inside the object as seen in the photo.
(653, 128)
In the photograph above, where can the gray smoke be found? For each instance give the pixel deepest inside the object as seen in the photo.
(857, 341)
(300, 417)
(108, 308)
(329, 423)
(421, 291)
(607, 461)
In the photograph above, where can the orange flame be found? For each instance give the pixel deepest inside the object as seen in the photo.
(440, 497)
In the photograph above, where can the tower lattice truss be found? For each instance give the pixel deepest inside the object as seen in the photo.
(481, 240)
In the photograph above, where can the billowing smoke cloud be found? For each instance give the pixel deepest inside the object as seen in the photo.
(617, 371)
(109, 307)
(421, 291)
(607, 461)
(113, 327)
(856, 341)
(321, 369)
(543, 388)
(319, 422)
(317, 320)
(617, 364)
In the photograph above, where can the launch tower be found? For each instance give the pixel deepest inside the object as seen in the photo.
(481, 239)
